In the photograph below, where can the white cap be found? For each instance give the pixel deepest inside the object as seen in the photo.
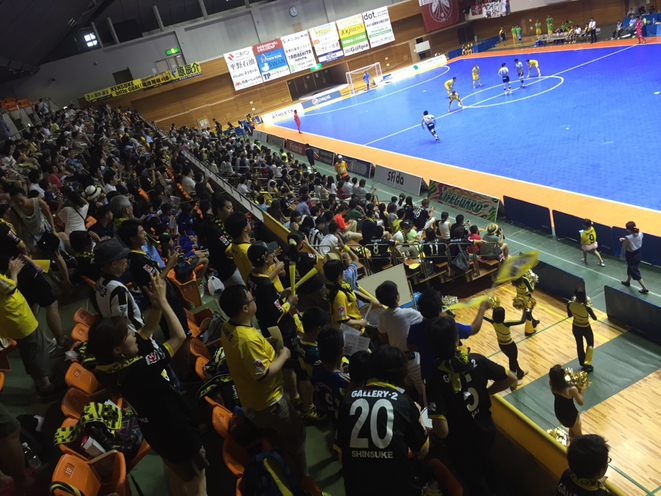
(340, 157)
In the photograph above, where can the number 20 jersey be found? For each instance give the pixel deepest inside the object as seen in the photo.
(377, 424)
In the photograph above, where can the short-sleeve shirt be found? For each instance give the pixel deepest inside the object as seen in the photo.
(241, 259)
(8, 241)
(143, 267)
(16, 318)
(503, 72)
(272, 310)
(567, 487)
(420, 218)
(588, 236)
(327, 385)
(396, 322)
(466, 411)
(309, 153)
(344, 310)
(103, 232)
(114, 299)
(381, 250)
(220, 250)
(249, 355)
(308, 356)
(305, 262)
(377, 425)
(158, 405)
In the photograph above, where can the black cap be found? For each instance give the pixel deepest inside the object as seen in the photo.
(108, 251)
(259, 250)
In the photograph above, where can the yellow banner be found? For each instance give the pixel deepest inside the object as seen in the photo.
(187, 71)
(352, 30)
(515, 267)
(125, 88)
(156, 80)
(98, 95)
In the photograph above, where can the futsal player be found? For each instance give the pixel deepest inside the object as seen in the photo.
(538, 28)
(430, 121)
(519, 72)
(453, 97)
(449, 86)
(533, 63)
(549, 25)
(476, 76)
(366, 78)
(504, 73)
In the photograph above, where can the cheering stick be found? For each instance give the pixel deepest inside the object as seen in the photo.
(292, 278)
(305, 278)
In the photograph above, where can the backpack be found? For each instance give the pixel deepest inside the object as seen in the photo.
(267, 474)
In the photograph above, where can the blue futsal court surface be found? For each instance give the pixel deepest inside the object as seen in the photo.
(588, 125)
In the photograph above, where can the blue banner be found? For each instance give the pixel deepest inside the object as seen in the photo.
(321, 99)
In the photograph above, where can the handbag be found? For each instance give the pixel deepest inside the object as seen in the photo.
(461, 261)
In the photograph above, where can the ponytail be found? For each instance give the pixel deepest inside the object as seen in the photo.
(631, 226)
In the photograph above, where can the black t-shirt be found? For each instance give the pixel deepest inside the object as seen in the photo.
(87, 267)
(305, 262)
(103, 232)
(567, 487)
(466, 411)
(368, 231)
(420, 218)
(455, 226)
(377, 425)
(435, 251)
(220, 250)
(380, 249)
(8, 242)
(164, 418)
(145, 183)
(142, 267)
(309, 153)
(270, 311)
(200, 188)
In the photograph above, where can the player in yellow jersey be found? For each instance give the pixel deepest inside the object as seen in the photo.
(538, 28)
(533, 63)
(476, 76)
(453, 97)
(579, 308)
(449, 85)
(589, 242)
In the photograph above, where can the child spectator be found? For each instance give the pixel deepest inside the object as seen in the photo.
(589, 242)
(82, 245)
(328, 376)
(588, 463)
(474, 237)
(314, 320)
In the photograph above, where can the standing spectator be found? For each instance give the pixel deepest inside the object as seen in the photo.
(341, 167)
(593, 30)
(376, 444)
(220, 242)
(588, 463)
(297, 120)
(256, 371)
(460, 403)
(632, 245)
(328, 374)
(311, 155)
(131, 365)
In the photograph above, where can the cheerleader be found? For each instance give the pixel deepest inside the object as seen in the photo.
(524, 300)
(579, 309)
(565, 394)
(589, 242)
(506, 343)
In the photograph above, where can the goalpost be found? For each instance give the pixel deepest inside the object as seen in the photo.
(355, 79)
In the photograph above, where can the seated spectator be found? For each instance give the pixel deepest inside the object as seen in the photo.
(103, 228)
(361, 191)
(302, 207)
(73, 212)
(368, 226)
(331, 241)
(187, 181)
(82, 245)
(588, 463)
(405, 240)
(328, 374)
(459, 223)
(493, 246)
(423, 216)
(434, 248)
(381, 248)
(474, 237)
(398, 222)
(131, 365)
(343, 299)
(256, 371)
(347, 229)
(371, 463)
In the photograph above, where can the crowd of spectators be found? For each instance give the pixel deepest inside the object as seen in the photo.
(114, 203)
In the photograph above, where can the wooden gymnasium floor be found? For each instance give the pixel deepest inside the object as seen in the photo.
(621, 402)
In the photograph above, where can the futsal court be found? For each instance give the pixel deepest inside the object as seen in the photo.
(582, 139)
(584, 131)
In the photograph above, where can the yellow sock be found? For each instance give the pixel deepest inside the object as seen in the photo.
(588, 355)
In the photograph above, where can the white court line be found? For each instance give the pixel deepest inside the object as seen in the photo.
(382, 96)
(543, 78)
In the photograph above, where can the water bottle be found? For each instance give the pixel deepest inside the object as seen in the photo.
(30, 456)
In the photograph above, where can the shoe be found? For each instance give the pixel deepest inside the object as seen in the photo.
(438, 139)
(297, 402)
(514, 387)
(525, 373)
(529, 333)
(587, 368)
(643, 291)
(52, 345)
(602, 264)
(625, 283)
(57, 389)
(535, 323)
(312, 415)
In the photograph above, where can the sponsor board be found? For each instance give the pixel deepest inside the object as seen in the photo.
(271, 60)
(298, 51)
(358, 166)
(325, 156)
(321, 99)
(378, 27)
(276, 141)
(353, 36)
(259, 135)
(243, 68)
(464, 199)
(282, 113)
(326, 42)
(295, 147)
(397, 179)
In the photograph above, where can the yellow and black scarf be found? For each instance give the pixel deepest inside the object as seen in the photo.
(456, 366)
(115, 367)
(592, 485)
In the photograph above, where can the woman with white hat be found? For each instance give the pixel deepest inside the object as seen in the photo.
(494, 248)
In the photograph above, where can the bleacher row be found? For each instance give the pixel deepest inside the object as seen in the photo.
(13, 104)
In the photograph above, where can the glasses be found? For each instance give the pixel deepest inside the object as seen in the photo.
(609, 460)
(249, 302)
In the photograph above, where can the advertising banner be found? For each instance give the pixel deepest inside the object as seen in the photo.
(156, 80)
(397, 179)
(125, 88)
(358, 166)
(352, 34)
(321, 99)
(295, 147)
(271, 59)
(186, 71)
(378, 27)
(464, 199)
(326, 42)
(260, 136)
(243, 68)
(298, 51)
(325, 156)
(274, 140)
(437, 14)
(276, 115)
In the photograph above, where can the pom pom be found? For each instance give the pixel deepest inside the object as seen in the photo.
(494, 302)
(448, 301)
(578, 379)
(559, 435)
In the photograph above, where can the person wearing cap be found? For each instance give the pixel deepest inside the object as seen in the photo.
(256, 369)
(341, 167)
(220, 242)
(273, 308)
(493, 246)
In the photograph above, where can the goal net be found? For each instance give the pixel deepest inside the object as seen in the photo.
(356, 78)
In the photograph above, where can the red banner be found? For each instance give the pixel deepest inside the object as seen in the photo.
(438, 14)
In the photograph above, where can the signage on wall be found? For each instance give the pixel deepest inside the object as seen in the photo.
(298, 51)
(439, 14)
(271, 60)
(318, 100)
(326, 42)
(464, 199)
(378, 27)
(243, 69)
(352, 34)
(172, 51)
(397, 179)
(358, 166)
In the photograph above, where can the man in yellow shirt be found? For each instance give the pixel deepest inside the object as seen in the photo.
(17, 322)
(476, 76)
(257, 373)
(341, 166)
(449, 85)
(533, 63)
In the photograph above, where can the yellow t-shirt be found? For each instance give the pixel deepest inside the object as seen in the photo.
(449, 84)
(343, 310)
(588, 236)
(248, 356)
(533, 63)
(341, 168)
(476, 72)
(241, 259)
(16, 319)
(454, 97)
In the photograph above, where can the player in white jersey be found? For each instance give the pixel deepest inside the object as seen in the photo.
(519, 71)
(430, 121)
(504, 73)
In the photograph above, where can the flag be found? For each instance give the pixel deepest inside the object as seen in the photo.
(472, 303)
(515, 267)
(438, 14)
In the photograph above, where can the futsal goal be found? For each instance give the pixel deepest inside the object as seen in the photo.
(356, 81)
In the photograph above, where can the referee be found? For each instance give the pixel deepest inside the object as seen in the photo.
(593, 30)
